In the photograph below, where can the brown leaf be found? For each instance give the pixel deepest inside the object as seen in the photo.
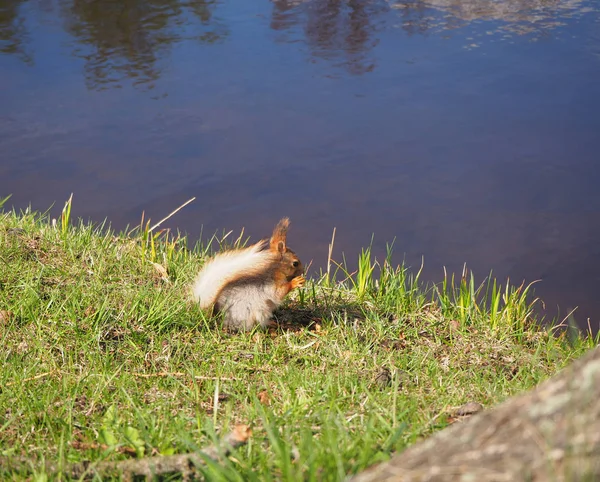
(240, 434)
(263, 398)
(162, 271)
(5, 316)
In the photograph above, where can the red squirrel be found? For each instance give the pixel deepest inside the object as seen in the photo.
(246, 285)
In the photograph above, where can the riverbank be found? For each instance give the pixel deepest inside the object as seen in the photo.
(105, 358)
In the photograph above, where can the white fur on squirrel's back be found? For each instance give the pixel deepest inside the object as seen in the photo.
(229, 266)
(247, 306)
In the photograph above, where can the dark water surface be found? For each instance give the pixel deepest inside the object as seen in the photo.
(468, 130)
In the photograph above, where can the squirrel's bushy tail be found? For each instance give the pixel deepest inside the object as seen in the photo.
(228, 267)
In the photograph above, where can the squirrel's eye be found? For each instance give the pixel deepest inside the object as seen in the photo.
(295, 264)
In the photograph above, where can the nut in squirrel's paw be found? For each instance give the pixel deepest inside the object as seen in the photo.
(298, 281)
(246, 285)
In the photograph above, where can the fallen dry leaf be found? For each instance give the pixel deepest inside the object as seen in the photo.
(5, 316)
(162, 271)
(263, 398)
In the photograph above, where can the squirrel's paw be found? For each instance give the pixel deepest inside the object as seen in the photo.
(298, 281)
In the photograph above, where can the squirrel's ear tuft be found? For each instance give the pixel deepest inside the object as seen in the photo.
(279, 235)
(283, 225)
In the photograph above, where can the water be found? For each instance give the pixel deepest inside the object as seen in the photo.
(466, 130)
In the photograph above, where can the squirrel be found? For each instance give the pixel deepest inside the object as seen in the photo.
(246, 285)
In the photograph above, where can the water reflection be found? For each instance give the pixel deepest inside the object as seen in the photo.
(343, 32)
(13, 34)
(536, 17)
(132, 39)
(128, 38)
(117, 40)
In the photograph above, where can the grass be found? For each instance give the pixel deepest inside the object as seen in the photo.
(104, 357)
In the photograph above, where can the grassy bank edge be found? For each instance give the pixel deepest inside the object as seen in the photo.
(360, 368)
